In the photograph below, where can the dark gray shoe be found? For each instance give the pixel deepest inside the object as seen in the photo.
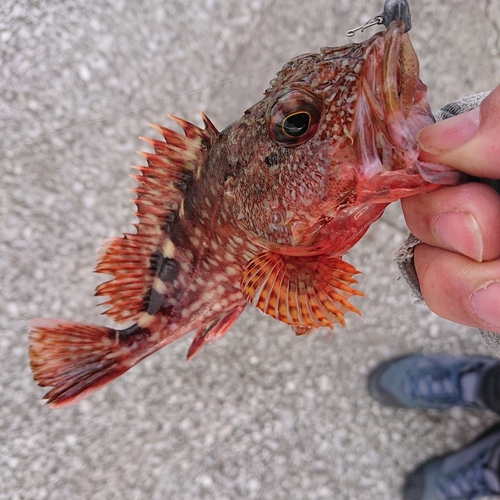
(466, 474)
(437, 382)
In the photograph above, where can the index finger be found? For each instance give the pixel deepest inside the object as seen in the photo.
(460, 218)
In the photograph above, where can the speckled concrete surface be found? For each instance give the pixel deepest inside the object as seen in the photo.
(261, 414)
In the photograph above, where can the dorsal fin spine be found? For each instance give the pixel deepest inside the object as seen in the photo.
(210, 128)
(161, 189)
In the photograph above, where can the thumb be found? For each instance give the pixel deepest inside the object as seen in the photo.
(468, 142)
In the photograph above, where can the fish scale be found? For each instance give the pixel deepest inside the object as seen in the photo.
(260, 213)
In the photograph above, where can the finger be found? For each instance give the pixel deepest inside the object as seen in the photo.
(468, 142)
(465, 219)
(458, 288)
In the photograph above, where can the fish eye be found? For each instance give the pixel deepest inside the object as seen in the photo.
(294, 117)
(296, 124)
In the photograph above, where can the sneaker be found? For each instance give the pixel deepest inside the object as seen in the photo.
(436, 382)
(466, 474)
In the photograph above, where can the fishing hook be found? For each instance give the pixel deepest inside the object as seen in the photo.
(394, 10)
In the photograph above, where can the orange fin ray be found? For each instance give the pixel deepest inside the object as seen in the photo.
(305, 292)
(214, 330)
(161, 188)
(75, 359)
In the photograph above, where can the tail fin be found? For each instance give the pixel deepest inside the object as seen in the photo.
(75, 359)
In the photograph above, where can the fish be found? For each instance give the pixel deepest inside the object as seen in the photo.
(260, 213)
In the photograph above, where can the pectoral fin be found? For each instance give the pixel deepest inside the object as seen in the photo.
(305, 292)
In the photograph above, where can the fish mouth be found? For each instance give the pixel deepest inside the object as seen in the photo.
(400, 71)
(402, 107)
(407, 110)
(392, 109)
(393, 106)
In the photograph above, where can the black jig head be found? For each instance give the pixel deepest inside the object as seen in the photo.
(394, 10)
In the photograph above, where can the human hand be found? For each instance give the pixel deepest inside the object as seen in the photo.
(458, 265)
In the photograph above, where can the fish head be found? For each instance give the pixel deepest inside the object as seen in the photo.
(333, 137)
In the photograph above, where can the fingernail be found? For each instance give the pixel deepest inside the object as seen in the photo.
(461, 233)
(484, 303)
(450, 133)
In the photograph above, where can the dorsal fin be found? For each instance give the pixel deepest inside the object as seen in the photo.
(161, 188)
(305, 292)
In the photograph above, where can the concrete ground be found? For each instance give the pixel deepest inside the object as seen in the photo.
(261, 414)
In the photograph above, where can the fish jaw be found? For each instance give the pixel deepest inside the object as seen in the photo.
(391, 110)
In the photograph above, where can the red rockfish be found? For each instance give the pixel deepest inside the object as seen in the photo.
(260, 213)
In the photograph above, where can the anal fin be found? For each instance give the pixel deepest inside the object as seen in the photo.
(304, 292)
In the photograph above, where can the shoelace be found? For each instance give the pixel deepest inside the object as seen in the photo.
(466, 483)
(436, 385)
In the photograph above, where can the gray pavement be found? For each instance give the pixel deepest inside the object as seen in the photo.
(261, 414)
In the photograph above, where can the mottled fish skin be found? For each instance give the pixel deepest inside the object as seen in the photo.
(259, 213)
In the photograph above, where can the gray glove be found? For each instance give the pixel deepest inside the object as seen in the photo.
(404, 256)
